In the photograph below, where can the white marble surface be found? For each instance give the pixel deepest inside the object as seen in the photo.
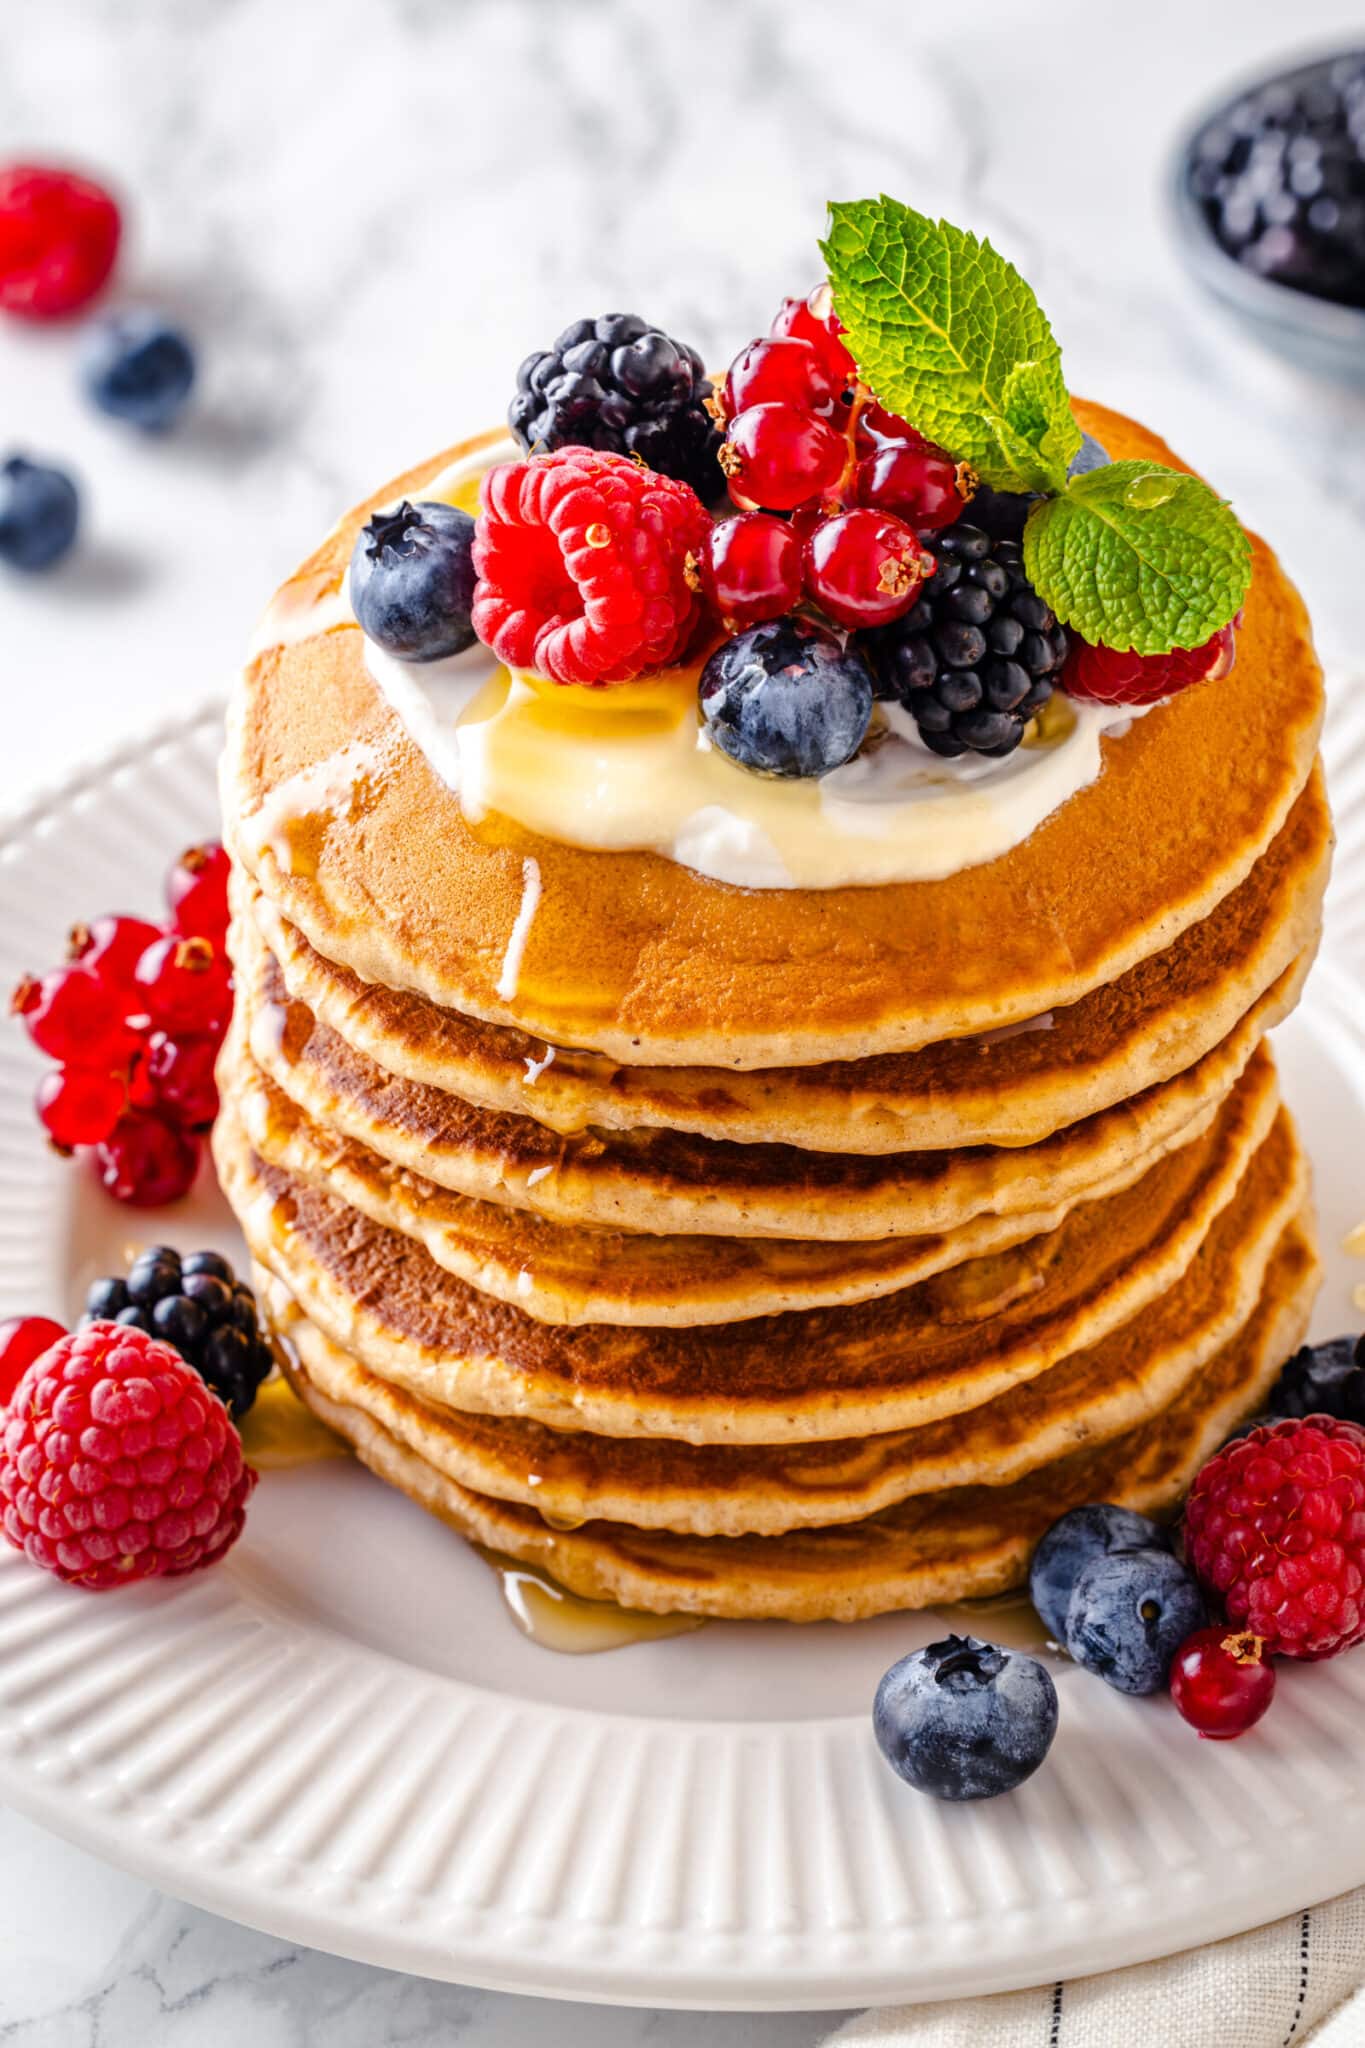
(368, 212)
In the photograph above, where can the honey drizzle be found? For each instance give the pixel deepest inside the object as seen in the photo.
(553, 1618)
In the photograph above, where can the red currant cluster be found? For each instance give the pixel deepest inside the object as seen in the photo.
(860, 487)
(134, 1021)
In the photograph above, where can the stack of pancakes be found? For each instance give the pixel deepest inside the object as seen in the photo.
(771, 1252)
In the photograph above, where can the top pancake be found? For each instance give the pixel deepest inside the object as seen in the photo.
(640, 958)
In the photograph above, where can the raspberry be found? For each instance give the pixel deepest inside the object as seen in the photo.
(1275, 1525)
(58, 237)
(117, 1464)
(1104, 675)
(582, 563)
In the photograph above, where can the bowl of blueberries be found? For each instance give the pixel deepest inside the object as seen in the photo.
(1270, 211)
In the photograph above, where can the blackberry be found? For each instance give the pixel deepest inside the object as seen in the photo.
(1322, 1379)
(1280, 177)
(1004, 514)
(973, 660)
(619, 384)
(196, 1304)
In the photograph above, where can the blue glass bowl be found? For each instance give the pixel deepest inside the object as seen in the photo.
(1315, 334)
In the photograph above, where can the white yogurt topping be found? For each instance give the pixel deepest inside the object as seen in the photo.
(631, 767)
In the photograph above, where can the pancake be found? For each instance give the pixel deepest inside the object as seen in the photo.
(672, 1182)
(935, 1349)
(642, 959)
(765, 1489)
(1153, 1022)
(928, 1550)
(562, 1274)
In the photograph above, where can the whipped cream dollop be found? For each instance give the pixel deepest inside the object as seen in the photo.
(631, 767)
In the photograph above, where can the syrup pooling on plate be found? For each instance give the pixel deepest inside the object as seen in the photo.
(279, 1433)
(1008, 1619)
(556, 1619)
(631, 767)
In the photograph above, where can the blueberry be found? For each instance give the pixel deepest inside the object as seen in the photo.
(1322, 1379)
(39, 513)
(181, 1322)
(964, 1720)
(1088, 456)
(105, 1298)
(787, 698)
(1068, 1548)
(207, 1262)
(138, 368)
(1130, 1612)
(412, 581)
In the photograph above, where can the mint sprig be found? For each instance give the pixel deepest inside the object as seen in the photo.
(948, 334)
(1138, 556)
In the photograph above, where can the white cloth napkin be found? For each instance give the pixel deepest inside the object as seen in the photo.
(1295, 1981)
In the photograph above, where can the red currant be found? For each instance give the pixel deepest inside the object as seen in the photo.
(79, 1106)
(111, 947)
(750, 569)
(186, 984)
(146, 1162)
(197, 891)
(1221, 1683)
(177, 1078)
(877, 426)
(1107, 675)
(778, 368)
(58, 236)
(777, 456)
(815, 320)
(22, 1339)
(865, 568)
(923, 486)
(72, 1017)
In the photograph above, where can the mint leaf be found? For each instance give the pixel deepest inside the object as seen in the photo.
(1137, 556)
(947, 333)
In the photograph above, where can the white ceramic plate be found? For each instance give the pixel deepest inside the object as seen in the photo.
(340, 1737)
